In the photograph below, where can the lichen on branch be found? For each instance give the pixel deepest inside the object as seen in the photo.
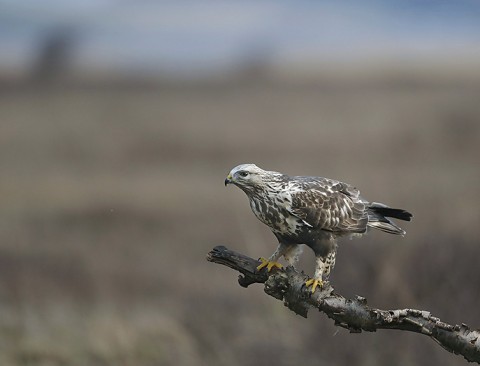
(287, 284)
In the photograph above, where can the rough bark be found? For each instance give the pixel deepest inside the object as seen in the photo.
(355, 315)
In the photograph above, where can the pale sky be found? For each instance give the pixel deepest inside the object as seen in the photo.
(179, 36)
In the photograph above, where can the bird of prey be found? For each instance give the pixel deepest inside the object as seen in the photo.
(313, 211)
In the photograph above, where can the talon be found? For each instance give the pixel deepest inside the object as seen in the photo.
(314, 283)
(268, 264)
(263, 264)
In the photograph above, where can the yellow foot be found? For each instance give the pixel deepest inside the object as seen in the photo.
(314, 283)
(268, 264)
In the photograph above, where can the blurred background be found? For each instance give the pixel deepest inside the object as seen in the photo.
(121, 119)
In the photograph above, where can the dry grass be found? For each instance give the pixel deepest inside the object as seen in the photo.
(111, 199)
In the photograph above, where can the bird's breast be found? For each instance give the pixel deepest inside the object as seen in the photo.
(277, 218)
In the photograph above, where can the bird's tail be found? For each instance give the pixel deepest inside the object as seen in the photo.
(378, 214)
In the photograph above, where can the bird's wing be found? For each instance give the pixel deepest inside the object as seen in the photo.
(328, 204)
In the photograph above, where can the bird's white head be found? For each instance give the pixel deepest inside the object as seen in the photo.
(248, 177)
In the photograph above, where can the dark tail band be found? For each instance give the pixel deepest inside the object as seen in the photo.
(396, 213)
(378, 214)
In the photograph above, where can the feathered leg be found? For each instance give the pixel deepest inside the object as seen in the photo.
(329, 263)
(317, 277)
(292, 254)
(323, 266)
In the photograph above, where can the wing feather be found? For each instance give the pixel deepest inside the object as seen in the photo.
(328, 204)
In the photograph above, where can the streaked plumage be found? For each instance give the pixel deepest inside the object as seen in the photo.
(313, 211)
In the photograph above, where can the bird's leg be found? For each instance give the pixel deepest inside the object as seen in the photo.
(317, 277)
(292, 254)
(272, 261)
(329, 263)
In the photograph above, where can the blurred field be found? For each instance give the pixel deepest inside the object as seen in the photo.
(111, 198)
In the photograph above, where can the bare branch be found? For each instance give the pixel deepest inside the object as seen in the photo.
(353, 314)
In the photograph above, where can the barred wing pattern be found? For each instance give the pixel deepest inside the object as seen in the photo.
(327, 204)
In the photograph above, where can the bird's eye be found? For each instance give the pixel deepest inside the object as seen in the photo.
(243, 174)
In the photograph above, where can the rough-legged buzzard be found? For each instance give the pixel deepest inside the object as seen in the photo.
(310, 210)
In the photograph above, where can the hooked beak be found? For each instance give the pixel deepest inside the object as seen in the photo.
(228, 180)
